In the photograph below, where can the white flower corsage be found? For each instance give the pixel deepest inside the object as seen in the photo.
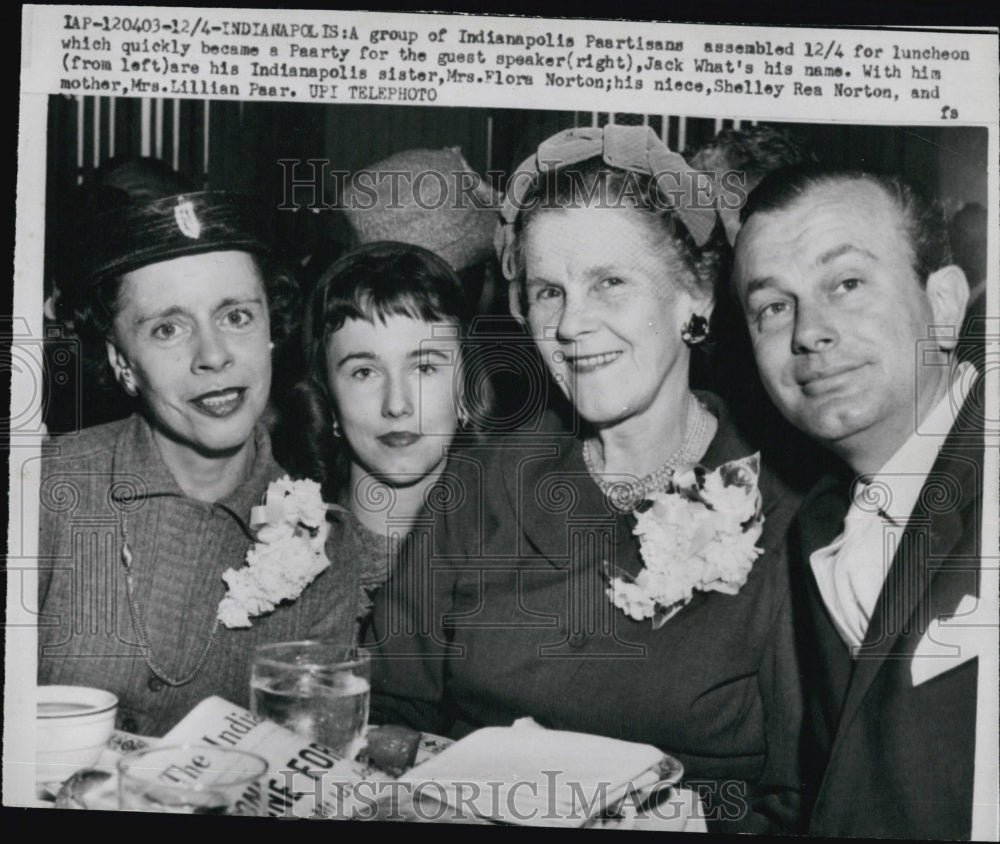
(699, 534)
(289, 552)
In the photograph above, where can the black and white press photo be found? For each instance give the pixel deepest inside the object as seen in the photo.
(478, 420)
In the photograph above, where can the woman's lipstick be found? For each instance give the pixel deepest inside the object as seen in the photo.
(219, 403)
(584, 364)
(399, 439)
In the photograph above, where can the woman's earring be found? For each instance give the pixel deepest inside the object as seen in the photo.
(336, 428)
(695, 330)
(271, 344)
(128, 385)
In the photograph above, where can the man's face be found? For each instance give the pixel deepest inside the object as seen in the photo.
(836, 315)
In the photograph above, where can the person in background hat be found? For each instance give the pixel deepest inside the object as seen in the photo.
(514, 612)
(141, 517)
(751, 152)
(434, 199)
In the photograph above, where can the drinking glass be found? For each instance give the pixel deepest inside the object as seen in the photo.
(192, 779)
(318, 689)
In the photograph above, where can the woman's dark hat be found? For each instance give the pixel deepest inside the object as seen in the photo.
(120, 233)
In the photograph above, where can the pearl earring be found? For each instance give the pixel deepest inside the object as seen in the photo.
(126, 381)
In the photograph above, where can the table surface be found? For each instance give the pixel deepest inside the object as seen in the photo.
(684, 815)
(122, 743)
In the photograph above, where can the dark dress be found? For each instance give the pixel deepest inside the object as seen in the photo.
(508, 617)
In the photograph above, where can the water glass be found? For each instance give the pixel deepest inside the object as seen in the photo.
(318, 689)
(192, 779)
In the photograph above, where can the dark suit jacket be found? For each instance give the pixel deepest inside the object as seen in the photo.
(509, 617)
(886, 758)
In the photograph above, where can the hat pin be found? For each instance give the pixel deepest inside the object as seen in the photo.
(186, 219)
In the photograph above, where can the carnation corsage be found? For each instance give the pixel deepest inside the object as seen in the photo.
(291, 531)
(700, 533)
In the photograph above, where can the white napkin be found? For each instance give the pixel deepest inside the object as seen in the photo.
(525, 774)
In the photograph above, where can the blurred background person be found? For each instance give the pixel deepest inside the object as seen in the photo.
(434, 199)
(727, 367)
(752, 150)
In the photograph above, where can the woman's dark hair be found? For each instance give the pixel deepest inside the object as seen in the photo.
(594, 183)
(371, 283)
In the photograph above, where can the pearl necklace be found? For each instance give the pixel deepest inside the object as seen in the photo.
(625, 494)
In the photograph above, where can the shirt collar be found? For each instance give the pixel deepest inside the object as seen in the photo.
(140, 472)
(893, 491)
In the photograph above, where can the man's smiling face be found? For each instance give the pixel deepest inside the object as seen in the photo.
(836, 314)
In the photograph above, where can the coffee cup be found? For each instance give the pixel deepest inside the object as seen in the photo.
(72, 727)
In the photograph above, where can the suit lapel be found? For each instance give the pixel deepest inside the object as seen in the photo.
(944, 514)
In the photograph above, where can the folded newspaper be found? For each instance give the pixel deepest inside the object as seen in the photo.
(528, 775)
(522, 774)
(305, 779)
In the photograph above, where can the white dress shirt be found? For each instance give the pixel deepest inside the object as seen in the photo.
(851, 570)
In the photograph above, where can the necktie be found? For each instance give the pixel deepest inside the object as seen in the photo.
(850, 571)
